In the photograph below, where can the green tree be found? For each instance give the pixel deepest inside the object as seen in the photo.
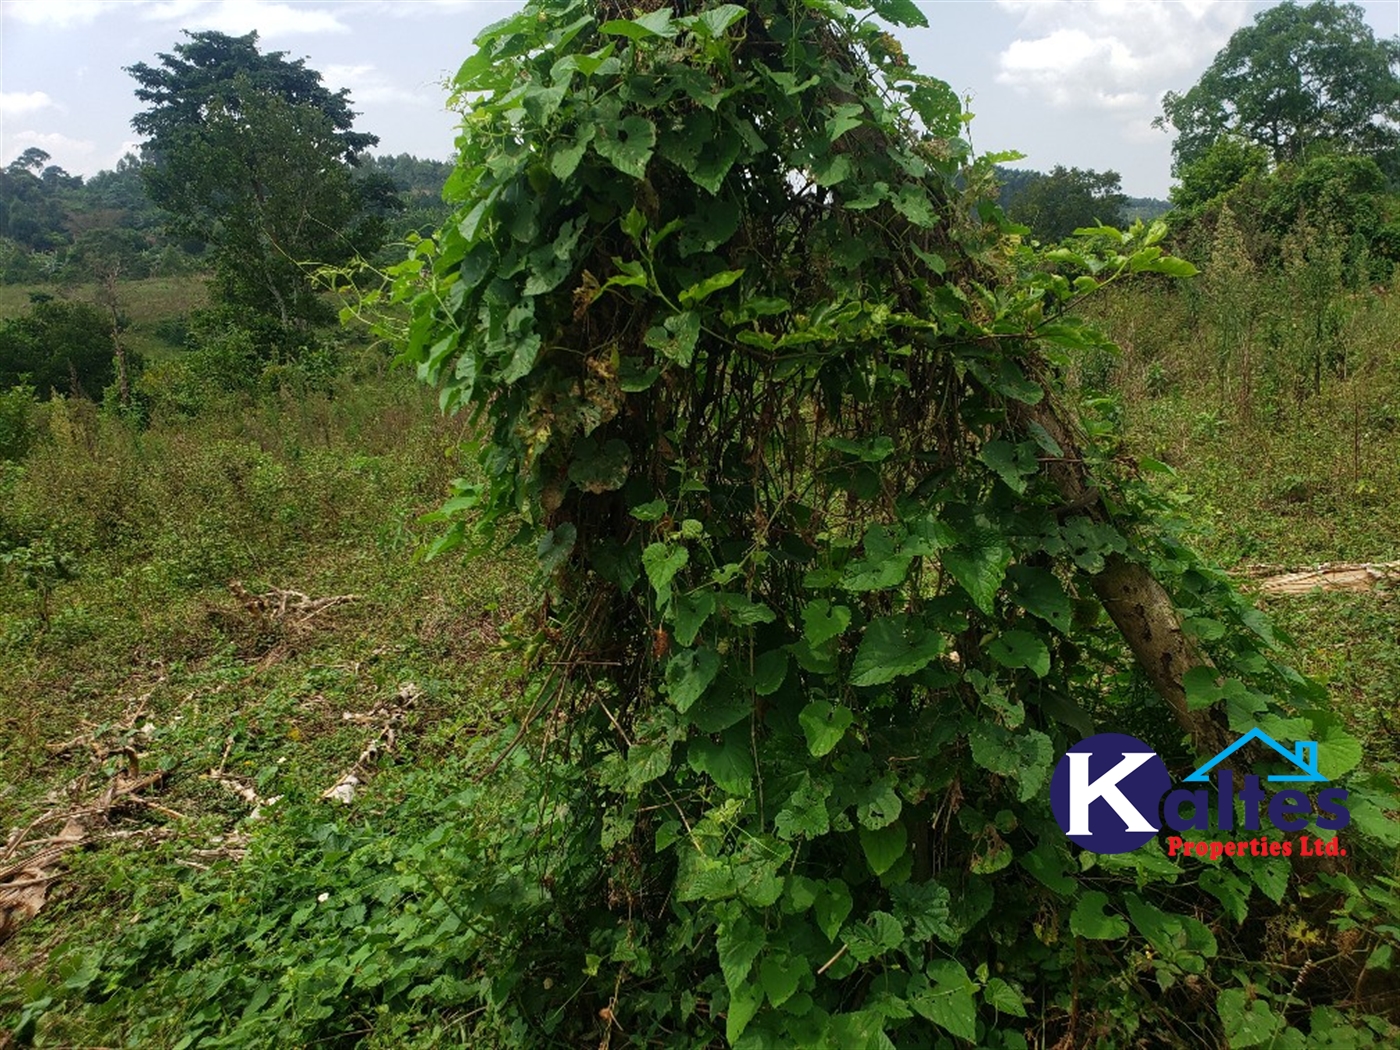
(1297, 76)
(1057, 204)
(251, 153)
(57, 347)
(1223, 166)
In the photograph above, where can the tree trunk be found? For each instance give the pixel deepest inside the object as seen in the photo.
(1136, 603)
(109, 299)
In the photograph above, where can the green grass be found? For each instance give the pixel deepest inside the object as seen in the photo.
(147, 646)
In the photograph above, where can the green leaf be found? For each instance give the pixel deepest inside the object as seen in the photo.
(690, 611)
(1004, 997)
(600, 470)
(661, 562)
(555, 545)
(949, 1002)
(879, 804)
(646, 762)
(1012, 463)
(769, 671)
(653, 511)
(689, 674)
(653, 23)
(821, 621)
(979, 566)
(744, 1003)
(1021, 649)
(676, 337)
(713, 22)
(628, 145)
(884, 846)
(824, 726)
(923, 909)
(893, 647)
(901, 13)
(729, 763)
(702, 290)
(739, 943)
(780, 976)
(832, 906)
(742, 612)
(1088, 919)
(805, 813)
(1247, 1022)
(878, 934)
(1040, 593)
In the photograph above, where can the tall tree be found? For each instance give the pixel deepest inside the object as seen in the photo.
(1057, 204)
(1298, 75)
(251, 153)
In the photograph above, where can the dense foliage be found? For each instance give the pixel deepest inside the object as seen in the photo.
(775, 402)
(57, 347)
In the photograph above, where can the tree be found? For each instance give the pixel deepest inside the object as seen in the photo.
(251, 153)
(1057, 204)
(1226, 163)
(1299, 75)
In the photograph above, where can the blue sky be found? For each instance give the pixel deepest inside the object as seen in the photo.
(1074, 82)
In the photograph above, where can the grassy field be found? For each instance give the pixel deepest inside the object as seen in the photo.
(180, 688)
(154, 308)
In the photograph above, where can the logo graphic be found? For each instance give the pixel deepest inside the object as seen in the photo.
(1303, 755)
(1111, 793)
(1107, 792)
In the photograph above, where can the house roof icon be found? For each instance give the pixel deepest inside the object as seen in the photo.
(1303, 755)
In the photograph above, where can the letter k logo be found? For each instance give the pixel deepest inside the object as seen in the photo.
(1131, 788)
(1083, 792)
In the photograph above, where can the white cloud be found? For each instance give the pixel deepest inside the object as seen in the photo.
(17, 103)
(368, 85)
(66, 152)
(1115, 56)
(268, 17)
(237, 17)
(56, 14)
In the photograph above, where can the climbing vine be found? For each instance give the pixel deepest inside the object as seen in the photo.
(769, 385)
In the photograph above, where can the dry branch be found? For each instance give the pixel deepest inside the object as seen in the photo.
(387, 717)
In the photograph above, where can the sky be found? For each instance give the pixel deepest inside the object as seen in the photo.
(1073, 82)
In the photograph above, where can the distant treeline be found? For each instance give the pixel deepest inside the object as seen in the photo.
(57, 226)
(1055, 203)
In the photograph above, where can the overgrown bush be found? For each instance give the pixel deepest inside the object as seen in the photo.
(58, 346)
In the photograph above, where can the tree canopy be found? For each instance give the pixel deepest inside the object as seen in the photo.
(1057, 204)
(250, 152)
(1298, 76)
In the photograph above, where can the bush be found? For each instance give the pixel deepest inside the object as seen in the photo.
(17, 430)
(58, 347)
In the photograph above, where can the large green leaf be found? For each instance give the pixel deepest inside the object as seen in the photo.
(884, 846)
(824, 725)
(948, 1000)
(892, 647)
(1020, 649)
(661, 562)
(1090, 921)
(979, 564)
(628, 144)
(728, 763)
(689, 674)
